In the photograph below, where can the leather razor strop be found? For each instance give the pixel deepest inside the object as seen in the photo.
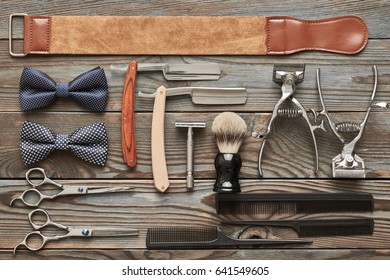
(189, 35)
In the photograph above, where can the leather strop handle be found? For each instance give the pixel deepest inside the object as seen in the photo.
(128, 125)
(159, 164)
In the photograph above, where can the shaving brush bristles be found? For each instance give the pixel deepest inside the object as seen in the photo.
(229, 130)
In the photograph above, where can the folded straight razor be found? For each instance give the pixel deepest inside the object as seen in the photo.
(179, 72)
(207, 95)
(171, 72)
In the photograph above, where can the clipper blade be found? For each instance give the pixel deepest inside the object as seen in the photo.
(295, 70)
(340, 168)
(349, 173)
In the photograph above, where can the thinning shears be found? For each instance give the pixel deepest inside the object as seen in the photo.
(32, 244)
(32, 197)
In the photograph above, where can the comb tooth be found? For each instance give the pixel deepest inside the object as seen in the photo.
(321, 227)
(292, 203)
(182, 234)
(359, 173)
(108, 232)
(254, 207)
(337, 231)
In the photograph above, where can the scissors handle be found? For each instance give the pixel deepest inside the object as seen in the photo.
(47, 221)
(36, 199)
(33, 245)
(42, 181)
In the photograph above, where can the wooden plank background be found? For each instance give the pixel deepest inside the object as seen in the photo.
(288, 162)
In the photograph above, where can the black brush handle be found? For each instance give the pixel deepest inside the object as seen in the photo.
(228, 167)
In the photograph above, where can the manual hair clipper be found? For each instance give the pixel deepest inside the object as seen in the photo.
(288, 76)
(348, 164)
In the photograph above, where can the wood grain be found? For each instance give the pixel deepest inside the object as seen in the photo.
(375, 51)
(347, 84)
(354, 81)
(372, 11)
(263, 254)
(129, 147)
(144, 207)
(347, 81)
(288, 153)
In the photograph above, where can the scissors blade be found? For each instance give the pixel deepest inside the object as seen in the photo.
(93, 190)
(88, 232)
(114, 232)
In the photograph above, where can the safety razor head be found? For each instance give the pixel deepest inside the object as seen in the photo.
(191, 124)
(284, 72)
(349, 166)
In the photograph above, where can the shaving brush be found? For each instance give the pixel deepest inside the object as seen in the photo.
(229, 130)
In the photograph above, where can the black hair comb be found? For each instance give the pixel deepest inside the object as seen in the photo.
(279, 203)
(306, 228)
(203, 237)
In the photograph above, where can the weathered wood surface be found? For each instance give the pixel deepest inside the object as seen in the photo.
(373, 11)
(289, 152)
(343, 78)
(143, 207)
(262, 254)
(347, 84)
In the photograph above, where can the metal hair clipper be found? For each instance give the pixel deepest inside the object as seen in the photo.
(288, 76)
(348, 164)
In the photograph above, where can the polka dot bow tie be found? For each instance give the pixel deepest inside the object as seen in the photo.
(88, 142)
(38, 90)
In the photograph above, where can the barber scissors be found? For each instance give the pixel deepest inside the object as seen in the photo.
(32, 197)
(32, 244)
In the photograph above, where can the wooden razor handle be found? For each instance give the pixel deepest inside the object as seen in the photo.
(128, 127)
(159, 164)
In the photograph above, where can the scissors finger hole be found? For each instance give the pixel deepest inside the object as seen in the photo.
(34, 241)
(31, 197)
(39, 219)
(35, 176)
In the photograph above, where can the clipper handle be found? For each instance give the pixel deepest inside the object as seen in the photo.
(228, 167)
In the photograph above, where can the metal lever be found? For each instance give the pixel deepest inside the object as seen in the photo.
(288, 76)
(348, 164)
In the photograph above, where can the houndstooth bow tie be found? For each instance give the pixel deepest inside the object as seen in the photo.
(88, 142)
(38, 90)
